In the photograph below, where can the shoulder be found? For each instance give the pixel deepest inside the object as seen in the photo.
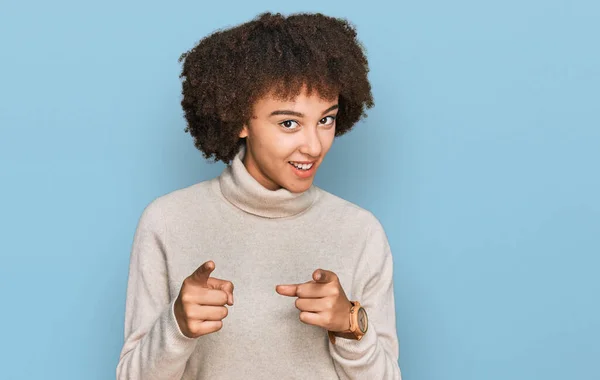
(360, 226)
(346, 212)
(179, 201)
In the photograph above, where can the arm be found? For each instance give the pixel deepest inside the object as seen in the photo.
(154, 346)
(375, 356)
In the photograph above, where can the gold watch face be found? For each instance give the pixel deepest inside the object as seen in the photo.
(363, 322)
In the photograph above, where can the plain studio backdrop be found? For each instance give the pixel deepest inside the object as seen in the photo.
(481, 159)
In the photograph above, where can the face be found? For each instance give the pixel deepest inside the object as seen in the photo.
(286, 141)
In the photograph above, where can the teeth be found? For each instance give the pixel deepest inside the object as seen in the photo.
(302, 166)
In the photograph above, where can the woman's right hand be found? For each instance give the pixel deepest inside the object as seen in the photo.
(200, 305)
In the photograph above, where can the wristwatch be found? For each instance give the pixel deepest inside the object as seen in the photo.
(359, 323)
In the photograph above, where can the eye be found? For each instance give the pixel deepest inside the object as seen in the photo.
(288, 124)
(327, 120)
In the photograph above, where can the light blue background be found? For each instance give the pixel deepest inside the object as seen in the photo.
(480, 158)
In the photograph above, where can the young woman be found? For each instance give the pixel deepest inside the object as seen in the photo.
(304, 287)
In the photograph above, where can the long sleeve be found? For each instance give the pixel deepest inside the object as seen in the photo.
(154, 347)
(376, 355)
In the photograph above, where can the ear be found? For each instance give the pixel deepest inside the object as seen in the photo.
(244, 132)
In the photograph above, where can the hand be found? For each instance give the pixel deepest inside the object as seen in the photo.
(321, 302)
(200, 306)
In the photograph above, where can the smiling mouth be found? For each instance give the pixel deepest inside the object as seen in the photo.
(304, 167)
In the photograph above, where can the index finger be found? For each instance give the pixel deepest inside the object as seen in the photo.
(313, 289)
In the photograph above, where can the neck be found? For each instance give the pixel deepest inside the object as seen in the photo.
(244, 191)
(254, 170)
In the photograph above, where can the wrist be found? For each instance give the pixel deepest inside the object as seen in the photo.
(345, 317)
(179, 317)
(357, 323)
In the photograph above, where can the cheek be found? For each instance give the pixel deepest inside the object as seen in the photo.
(283, 145)
(327, 139)
(274, 149)
(267, 142)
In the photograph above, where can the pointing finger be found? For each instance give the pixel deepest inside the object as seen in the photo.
(286, 290)
(315, 290)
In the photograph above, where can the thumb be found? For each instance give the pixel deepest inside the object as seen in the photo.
(203, 272)
(323, 276)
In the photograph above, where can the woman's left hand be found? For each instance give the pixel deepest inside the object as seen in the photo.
(321, 302)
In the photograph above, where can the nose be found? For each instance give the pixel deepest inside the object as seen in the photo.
(312, 143)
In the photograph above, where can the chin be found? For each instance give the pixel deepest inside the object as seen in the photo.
(299, 188)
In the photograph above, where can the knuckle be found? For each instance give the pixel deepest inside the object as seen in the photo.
(188, 312)
(185, 308)
(189, 316)
(185, 298)
(188, 281)
(195, 331)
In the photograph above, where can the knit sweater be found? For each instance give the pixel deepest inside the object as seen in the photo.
(257, 238)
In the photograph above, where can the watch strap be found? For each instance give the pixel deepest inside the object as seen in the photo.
(350, 333)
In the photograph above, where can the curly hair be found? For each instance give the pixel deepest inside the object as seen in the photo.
(227, 71)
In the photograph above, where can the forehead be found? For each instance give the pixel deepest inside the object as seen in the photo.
(305, 101)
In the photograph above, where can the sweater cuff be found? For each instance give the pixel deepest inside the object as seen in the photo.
(352, 349)
(175, 339)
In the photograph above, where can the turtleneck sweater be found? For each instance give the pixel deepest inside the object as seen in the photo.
(258, 238)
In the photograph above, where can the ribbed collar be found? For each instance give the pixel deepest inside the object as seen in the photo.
(241, 189)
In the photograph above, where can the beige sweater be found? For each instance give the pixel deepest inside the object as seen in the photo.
(258, 239)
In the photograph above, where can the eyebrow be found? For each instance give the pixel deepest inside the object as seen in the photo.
(300, 114)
